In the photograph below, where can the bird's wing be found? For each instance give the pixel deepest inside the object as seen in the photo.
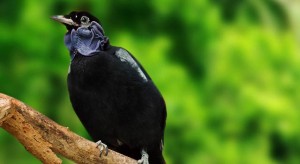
(126, 57)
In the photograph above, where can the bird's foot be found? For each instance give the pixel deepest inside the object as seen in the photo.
(144, 159)
(101, 147)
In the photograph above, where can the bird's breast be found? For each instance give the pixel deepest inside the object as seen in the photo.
(89, 70)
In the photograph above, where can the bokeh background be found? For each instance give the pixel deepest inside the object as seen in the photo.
(229, 71)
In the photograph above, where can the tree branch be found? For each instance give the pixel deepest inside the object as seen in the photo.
(44, 138)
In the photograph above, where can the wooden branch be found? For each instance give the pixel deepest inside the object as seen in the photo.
(44, 138)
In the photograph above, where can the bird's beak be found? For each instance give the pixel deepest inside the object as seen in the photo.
(64, 20)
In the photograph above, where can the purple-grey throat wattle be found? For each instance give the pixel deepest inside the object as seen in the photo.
(86, 40)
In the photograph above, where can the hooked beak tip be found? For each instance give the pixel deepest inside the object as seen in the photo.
(57, 17)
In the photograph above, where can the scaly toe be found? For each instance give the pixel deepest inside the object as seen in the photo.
(101, 147)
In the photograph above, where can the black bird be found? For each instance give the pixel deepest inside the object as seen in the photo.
(111, 93)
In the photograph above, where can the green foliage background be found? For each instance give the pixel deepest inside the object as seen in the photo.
(229, 71)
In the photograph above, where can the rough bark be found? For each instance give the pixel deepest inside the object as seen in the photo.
(44, 138)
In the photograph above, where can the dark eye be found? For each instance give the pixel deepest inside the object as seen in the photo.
(84, 19)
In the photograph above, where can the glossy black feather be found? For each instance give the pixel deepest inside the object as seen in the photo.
(116, 105)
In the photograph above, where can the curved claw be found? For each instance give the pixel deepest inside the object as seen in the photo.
(102, 146)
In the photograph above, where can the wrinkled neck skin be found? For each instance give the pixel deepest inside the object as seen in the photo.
(86, 40)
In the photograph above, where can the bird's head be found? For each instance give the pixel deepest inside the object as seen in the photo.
(76, 19)
(85, 33)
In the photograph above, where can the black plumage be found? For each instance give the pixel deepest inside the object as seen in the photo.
(115, 98)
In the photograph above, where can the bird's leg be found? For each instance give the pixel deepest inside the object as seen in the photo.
(102, 146)
(144, 159)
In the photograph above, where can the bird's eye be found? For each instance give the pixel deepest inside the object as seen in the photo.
(84, 19)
